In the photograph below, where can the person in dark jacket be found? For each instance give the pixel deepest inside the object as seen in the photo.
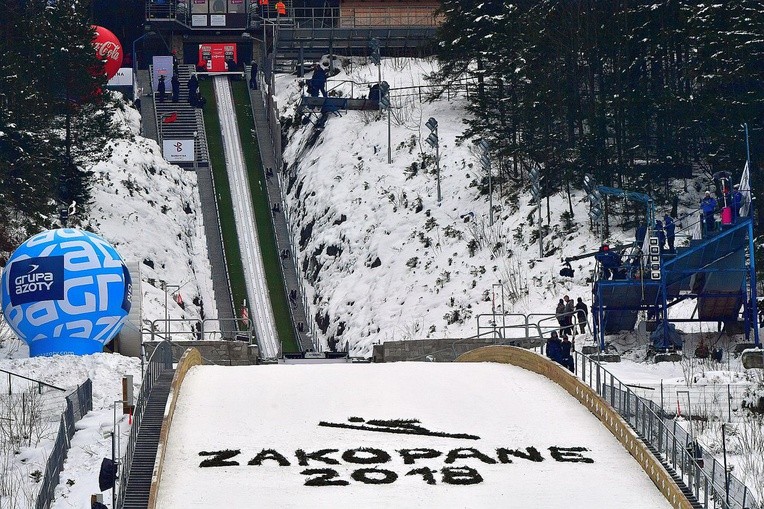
(566, 359)
(175, 83)
(319, 80)
(708, 206)
(161, 88)
(559, 313)
(553, 347)
(193, 86)
(737, 202)
(610, 262)
(583, 312)
(670, 228)
(661, 235)
(568, 317)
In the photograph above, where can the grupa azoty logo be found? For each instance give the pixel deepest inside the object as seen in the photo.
(66, 291)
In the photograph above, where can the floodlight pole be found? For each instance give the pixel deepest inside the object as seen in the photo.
(166, 312)
(389, 149)
(135, 63)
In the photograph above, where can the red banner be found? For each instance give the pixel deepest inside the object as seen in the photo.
(212, 57)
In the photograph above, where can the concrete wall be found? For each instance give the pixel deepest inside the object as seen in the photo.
(596, 405)
(190, 358)
(226, 353)
(439, 350)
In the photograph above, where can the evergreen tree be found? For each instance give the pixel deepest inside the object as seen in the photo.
(55, 116)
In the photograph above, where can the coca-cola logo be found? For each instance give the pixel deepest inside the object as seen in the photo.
(108, 49)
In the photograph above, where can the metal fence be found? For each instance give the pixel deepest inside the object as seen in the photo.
(78, 403)
(706, 478)
(160, 360)
(712, 400)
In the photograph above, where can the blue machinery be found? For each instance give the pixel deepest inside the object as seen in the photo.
(719, 271)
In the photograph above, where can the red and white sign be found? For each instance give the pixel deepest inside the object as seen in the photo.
(109, 49)
(245, 314)
(213, 56)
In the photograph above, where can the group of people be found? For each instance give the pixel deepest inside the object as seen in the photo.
(195, 97)
(559, 350)
(565, 312)
(665, 231)
(732, 199)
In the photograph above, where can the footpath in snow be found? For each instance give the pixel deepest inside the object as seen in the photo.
(392, 435)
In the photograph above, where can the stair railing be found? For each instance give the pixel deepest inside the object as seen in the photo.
(161, 359)
(705, 477)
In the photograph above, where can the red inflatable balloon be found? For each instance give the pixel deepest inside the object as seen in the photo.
(109, 49)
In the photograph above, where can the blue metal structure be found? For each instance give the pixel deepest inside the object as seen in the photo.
(633, 195)
(719, 271)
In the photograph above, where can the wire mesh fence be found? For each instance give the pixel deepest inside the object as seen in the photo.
(78, 403)
(711, 484)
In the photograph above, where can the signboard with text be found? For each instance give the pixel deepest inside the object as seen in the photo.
(162, 66)
(177, 151)
(213, 56)
(123, 78)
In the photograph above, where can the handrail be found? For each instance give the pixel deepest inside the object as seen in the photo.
(648, 421)
(160, 360)
(31, 380)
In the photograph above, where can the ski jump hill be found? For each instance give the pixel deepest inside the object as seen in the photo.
(485, 433)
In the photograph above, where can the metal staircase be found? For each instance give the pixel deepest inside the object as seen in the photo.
(189, 119)
(142, 466)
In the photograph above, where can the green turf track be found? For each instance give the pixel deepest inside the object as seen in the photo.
(256, 175)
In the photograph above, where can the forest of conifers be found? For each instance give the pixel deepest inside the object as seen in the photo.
(630, 91)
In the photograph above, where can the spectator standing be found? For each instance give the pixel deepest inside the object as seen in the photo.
(569, 312)
(553, 347)
(566, 359)
(280, 8)
(319, 80)
(193, 86)
(161, 88)
(737, 202)
(175, 84)
(583, 311)
(708, 206)
(559, 313)
(670, 228)
(661, 235)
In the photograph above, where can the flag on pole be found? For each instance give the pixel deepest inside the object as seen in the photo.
(245, 314)
(172, 117)
(745, 190)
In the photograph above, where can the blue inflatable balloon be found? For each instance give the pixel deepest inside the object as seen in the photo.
(65, 291)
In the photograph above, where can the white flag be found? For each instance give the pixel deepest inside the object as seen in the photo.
(745, 190)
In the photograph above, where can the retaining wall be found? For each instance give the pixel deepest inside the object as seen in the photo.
(226, 353)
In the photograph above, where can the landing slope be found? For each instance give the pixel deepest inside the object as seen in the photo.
(392, 435)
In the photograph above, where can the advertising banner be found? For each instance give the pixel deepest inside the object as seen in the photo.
(213, 56)
(123, 78)
(162, 67)
(176, 151)
(65, 291)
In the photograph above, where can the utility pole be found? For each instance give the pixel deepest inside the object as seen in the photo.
(535, 178)
(432, 141)
(485, 161)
